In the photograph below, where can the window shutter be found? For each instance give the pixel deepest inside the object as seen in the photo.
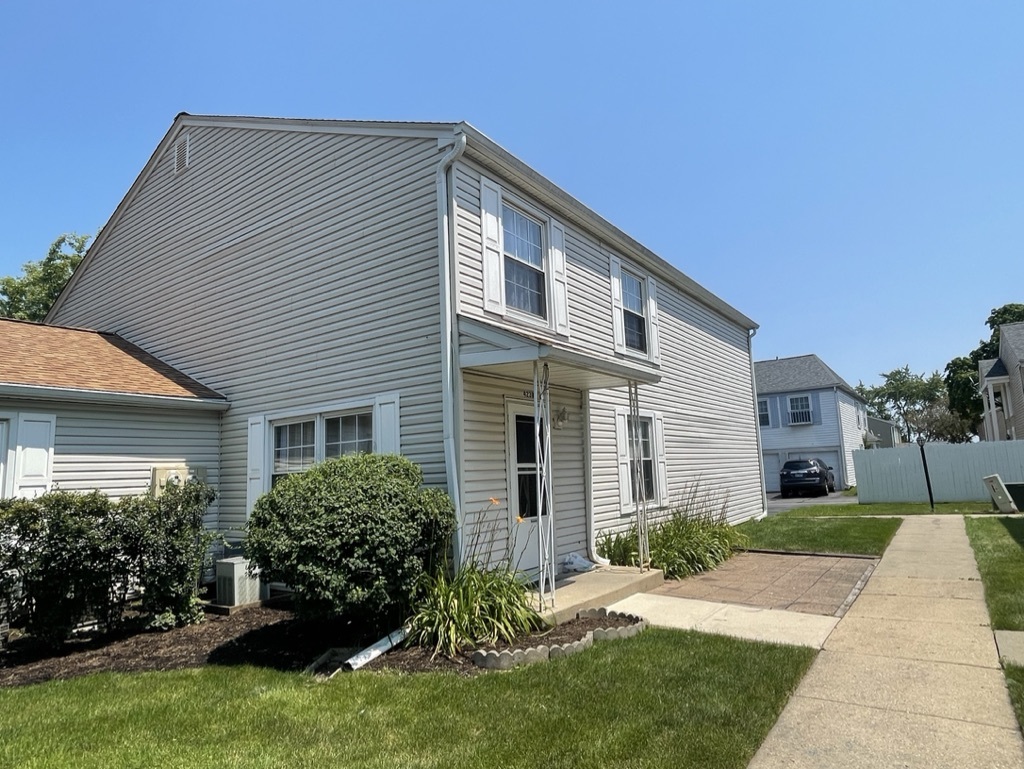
(560, 282)
(494, 264)
(652, 319)
(660, 459)
(622, 451)
(257, 458)
(33, 459)
(386, 428)
(617, 322)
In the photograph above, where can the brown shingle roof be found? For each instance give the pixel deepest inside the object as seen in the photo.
(38, 355)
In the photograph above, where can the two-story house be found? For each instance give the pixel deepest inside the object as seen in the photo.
(1002, 387)
(806, 410)
(414, 288)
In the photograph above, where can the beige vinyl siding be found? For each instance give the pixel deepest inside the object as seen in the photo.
(853, 438)
(114, 449)
(709, 411)
(286, 270)
(485, 473)
(1015, 402)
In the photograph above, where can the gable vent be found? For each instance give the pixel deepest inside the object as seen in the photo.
(182, 152)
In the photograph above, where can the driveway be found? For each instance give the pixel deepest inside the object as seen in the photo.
(776, 504)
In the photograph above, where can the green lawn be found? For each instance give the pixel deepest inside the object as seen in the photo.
(887, 508)
(1015, 683)
(999, 549)
(663, 699)
(855, 536)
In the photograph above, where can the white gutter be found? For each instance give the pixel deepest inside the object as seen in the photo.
(111, 398)
(751, 333)
(445, 237)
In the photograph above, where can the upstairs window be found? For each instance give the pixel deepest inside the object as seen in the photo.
(800, 410)
(524, 263)
(763, 417)
(634, 313)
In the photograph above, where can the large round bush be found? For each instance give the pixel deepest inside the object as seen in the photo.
(351, 535)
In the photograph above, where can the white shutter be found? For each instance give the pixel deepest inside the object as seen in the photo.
(617, 321)
(652, 320)
(660, 460)
(560, 283)
(256, 461)
(33, 457)
(386, 428)
(622, 452)
(494, 264)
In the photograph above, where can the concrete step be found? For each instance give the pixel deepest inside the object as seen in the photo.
(600, 587)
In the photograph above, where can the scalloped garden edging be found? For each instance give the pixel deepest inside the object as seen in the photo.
(512, 658)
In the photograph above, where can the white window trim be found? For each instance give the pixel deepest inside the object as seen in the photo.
(386, 434)
(653, 354)
(661, 491)
(768, 412)
(789, 410)
(492, 199)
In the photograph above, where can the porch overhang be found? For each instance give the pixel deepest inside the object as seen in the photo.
(508, 354)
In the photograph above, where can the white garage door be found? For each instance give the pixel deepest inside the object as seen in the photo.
(772, 465)
(831, 458)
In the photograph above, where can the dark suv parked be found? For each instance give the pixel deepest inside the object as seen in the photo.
(806, 475)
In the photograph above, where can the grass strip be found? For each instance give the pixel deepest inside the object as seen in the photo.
(886, 508)
(1015, 684)
(663, 699)
(850, 536)
(998, 544)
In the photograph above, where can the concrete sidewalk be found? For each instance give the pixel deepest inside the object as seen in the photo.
(910, 676)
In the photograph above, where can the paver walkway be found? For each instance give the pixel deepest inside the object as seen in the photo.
(910, 676)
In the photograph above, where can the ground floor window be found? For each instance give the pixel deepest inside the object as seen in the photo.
(298, 444)
(643, 473)
(641, 458)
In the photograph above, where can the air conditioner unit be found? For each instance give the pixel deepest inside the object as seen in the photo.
(234, 585)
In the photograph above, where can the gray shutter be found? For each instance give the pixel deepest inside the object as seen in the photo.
(622, 452)
(33, 457)
(494, 263)
(618, 327)
(386, 427)
(559, 280)
(652, 320)
(257, 454)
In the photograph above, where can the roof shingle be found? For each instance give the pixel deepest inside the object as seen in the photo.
(804, 372)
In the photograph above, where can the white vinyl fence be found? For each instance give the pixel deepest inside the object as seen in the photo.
(896, 475)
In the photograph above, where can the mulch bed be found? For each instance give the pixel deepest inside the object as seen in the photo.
(264, 636)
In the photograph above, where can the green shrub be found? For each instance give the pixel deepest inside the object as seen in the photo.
(695, 537)
(474, 606)
(351, 535)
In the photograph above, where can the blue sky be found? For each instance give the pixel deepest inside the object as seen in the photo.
(850, 175)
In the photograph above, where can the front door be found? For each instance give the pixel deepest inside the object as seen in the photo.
(523, 493)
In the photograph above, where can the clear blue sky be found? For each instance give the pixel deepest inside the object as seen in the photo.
(850, 175)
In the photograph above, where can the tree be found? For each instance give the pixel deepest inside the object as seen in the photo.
(30, 296)
(938, 422)
(905, 398)
(962, 372)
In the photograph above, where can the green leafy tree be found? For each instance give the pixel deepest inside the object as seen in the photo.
(962, 372)
(30, 296)
(905, 398)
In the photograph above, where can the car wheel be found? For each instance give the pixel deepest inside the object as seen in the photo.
(784, 494)
(832, 486)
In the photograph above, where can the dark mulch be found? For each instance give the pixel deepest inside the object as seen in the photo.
(264, 636)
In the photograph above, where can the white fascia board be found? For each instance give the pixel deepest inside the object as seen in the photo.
(614, 368)
(109, 398)
(303, 125)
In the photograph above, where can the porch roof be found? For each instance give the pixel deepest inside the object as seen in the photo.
(511, 354)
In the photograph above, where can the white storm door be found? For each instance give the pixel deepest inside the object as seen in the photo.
(523, 495)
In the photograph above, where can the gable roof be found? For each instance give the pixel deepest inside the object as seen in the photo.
(991, 368)
(804, 372)
(38, 357)
(1012, 334)
(479, 148)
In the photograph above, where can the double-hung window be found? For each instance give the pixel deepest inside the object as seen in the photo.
(641, 458)
(800, 410)
(643, 472)
(763, 417)
(298, 444)
(525, 277)
(634, 313)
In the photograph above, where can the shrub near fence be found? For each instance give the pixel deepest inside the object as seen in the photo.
(956, 471)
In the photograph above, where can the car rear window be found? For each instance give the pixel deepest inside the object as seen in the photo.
(797, 464)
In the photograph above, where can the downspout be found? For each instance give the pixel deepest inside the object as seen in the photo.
(751, 333)
(842, 437)
(445, 237)
(588, 463)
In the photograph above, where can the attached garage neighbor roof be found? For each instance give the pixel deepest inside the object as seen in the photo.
(804, 372)
(35, 355)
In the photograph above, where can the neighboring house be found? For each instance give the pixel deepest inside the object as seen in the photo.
(414, 288)
(1001, 387)
(806, 410)
(81, 410)
(884, 432)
